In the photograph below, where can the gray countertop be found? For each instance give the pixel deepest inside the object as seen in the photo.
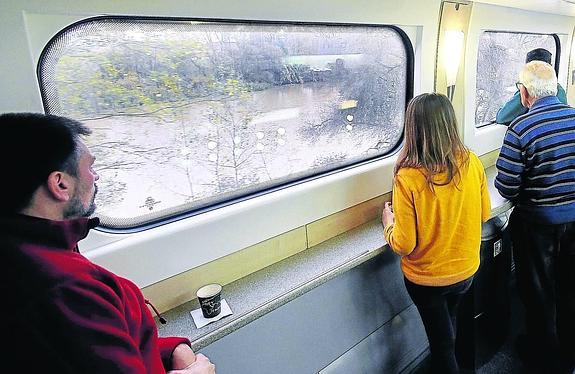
(265, 290)
(499, 204)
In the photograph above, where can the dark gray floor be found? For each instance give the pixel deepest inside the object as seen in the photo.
(506, 360)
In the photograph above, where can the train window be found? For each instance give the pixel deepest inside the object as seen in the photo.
(190, 114)
(501, 55)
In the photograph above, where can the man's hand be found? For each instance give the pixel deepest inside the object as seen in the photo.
(182, 357)
(387, 217)
(202, 365)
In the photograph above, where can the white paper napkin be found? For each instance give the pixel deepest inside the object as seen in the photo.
(201, 321)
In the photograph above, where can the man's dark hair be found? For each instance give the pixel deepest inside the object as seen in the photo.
(538, 54)
(32, 146)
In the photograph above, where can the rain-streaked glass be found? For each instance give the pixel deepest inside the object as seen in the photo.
(501, 55)
(189, 114)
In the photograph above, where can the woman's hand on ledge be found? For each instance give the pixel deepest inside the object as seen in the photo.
(387, 217)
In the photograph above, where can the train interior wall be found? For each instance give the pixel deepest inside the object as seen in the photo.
(358, 312)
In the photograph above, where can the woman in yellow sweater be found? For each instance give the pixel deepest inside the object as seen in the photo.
(440, 199)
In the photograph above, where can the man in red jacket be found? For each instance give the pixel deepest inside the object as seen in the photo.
(62, 313)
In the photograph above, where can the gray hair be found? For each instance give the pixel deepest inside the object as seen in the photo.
(539, 79)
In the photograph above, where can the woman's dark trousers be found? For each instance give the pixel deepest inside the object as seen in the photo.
(437, 307)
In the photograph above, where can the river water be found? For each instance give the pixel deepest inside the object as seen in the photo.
(165, 162)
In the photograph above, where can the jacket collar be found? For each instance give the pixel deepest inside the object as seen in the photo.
(59, 234)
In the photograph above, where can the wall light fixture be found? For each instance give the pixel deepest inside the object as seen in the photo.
(452, 48)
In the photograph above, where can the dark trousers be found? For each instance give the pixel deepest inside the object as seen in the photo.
(437, 307)
(545, 269)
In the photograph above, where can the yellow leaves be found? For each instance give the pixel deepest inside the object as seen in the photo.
(235, 87)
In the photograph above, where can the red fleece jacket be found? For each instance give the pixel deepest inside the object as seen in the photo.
(61, 313)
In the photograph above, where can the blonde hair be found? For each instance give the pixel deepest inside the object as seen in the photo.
(539, 79)
(431, 139)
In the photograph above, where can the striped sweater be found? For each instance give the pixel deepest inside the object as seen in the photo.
(536, 166)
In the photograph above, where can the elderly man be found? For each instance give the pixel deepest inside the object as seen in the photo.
(513, 108)
(62, 313)
(536, 170)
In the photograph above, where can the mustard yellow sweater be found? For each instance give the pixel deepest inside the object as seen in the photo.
(438, 232)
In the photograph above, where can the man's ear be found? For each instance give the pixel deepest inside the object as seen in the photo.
(524, 96)
(60, 185)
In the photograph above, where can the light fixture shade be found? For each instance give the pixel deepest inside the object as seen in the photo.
(452, 47)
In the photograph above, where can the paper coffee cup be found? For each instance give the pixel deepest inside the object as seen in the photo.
(209, 297)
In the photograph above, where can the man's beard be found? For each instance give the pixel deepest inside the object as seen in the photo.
(75, 209)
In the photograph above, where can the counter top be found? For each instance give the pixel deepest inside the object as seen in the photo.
(267, 289)
(499, 204)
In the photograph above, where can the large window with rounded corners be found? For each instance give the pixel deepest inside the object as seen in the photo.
(501, 55)
(192, 114)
